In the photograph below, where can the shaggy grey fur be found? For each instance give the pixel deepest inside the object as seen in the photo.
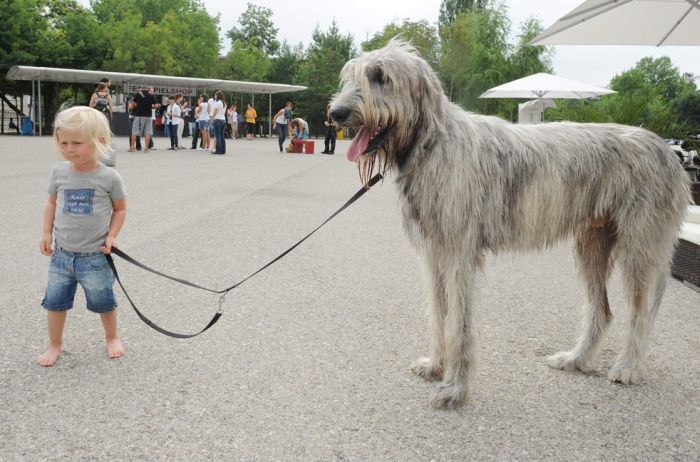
(470, 184)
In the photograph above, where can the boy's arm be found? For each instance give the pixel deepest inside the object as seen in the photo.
(47, 226)
(115, 224)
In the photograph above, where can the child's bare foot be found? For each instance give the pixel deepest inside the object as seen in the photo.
(50, 356)
(115, 349)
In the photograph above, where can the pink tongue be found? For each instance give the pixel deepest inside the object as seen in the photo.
(358, 145)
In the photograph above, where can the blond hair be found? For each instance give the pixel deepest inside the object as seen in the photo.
(93, 125)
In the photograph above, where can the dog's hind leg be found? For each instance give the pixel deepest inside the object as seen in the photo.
(645, 280)
(593, 249)
(431, 368)
(460, 334)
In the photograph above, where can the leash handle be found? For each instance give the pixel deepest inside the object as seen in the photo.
(144, 318)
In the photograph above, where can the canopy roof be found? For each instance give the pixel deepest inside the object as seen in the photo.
(54, 74)
(545, 86)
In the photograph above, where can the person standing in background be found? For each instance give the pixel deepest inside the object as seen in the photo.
(102, 100)
(173, 113)
(218, 115)
(250, 116)
(234, 121)
(331, 132)
(204, 121)
(185, 119)
(289, 115)
(142, 105)
(280, 123)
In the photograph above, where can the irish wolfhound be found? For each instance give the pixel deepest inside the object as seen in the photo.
(470, 184)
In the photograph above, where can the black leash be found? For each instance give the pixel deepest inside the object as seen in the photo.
(375, 179)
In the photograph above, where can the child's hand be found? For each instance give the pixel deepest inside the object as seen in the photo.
(45, 245)
(109, 242)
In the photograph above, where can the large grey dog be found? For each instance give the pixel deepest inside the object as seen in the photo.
(470, 184)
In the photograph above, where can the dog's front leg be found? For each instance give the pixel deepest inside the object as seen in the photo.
(432, 368)
(460, 351)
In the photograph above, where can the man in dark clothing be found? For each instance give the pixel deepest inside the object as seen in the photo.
(331, 133)
(144, 102)
(13, 125)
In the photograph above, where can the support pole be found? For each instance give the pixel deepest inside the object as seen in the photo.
(38, 106)
(269, 117)
(31, 110)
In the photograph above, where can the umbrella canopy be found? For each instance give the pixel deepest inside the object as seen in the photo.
(545, 86)
(627, 22)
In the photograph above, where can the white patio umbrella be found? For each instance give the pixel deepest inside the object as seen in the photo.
(627, 22)
(545, 86)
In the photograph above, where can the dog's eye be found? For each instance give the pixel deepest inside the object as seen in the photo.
(378, 76)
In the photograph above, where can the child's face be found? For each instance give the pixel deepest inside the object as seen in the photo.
(76, 149)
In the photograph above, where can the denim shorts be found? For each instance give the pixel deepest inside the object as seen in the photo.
(204, 124)
(90, 270)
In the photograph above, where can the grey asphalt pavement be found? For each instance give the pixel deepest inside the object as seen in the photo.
(310, 361)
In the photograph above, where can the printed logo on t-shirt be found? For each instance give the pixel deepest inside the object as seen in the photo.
(78, 201)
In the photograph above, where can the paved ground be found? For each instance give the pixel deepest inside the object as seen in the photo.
(310, 361)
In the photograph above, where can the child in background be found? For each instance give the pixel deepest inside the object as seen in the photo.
(83, 216)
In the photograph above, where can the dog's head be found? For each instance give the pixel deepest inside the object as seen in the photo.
(389, 97)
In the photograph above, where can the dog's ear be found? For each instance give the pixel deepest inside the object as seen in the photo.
(431, 94)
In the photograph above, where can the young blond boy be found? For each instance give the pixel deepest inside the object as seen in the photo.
(85, 211)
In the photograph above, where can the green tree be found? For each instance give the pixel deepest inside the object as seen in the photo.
(20, 37)
(421, 34)
(450, 9)
(320, 72)
(285, 69)
(245, 64)
(662, 74)
(48, 33)
(257, 32)
(527, 60)
(687, 107)
(475, 56)
(653, 94)
(174, 37)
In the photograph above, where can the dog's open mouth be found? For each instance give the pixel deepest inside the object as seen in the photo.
(365, 141)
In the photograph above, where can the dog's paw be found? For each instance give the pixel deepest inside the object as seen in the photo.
(621, 373)
(566, 360)
(450, 396)
(423, 368)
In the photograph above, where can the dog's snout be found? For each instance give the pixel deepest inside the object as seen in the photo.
(340, 114)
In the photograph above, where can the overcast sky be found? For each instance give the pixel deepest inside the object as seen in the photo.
(595, 65)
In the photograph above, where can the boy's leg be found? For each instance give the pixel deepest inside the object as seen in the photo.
(114, 345)
(56, 321)
(95, 276)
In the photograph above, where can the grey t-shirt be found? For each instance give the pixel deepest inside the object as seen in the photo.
(84, 205)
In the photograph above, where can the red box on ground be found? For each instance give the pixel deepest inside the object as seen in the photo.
(308, 147)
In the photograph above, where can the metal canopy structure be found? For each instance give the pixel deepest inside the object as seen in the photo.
(54, 74)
